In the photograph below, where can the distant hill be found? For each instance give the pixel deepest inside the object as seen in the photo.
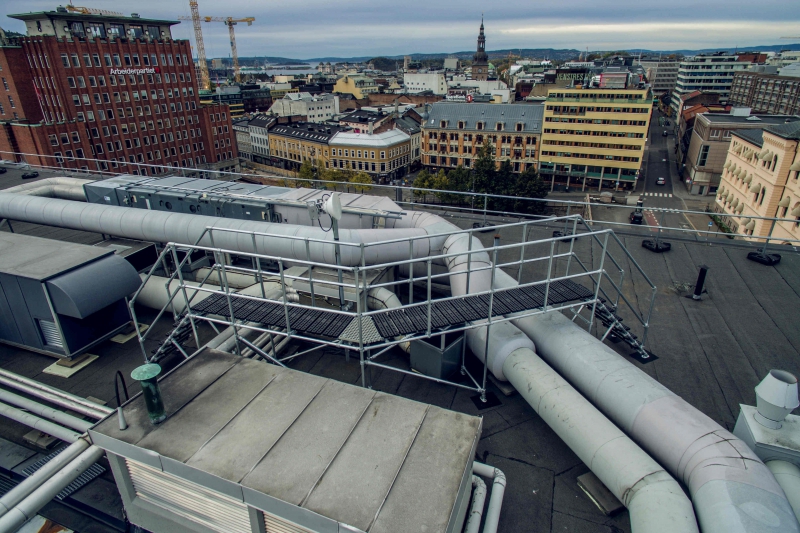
(540, 53)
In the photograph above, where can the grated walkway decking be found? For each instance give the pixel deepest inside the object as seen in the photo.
(404, 321)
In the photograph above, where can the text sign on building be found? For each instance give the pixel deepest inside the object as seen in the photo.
(151, 70)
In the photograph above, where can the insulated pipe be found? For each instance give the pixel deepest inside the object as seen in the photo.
(788, 477)
(35, 480)
(655, 501)
(476, 509)
(45, 426)
(161, 226)
(732, 490)
(383, 298)
(54, 396)
(154, 294)
(234, 279)
(496, 499)
(61, 187)
(27, 508)
(47, 412)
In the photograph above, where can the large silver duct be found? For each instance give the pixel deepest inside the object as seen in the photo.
(64, 188)
(732, 490)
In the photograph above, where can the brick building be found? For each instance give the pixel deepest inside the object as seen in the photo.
(766, 93)
(107, 92)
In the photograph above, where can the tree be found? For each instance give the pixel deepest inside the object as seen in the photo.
(362, 182)
(529, 184)
(439, 182)
(422, 181)
(484, 169)
(306, 174)
(459, 179)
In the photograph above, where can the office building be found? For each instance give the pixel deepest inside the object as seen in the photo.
(319, 108)
(761, 178)
(662, 73)
(384, 156)
(594, 138)
(454, 133)
(103, 92)
(767, 93)
(702, 161)
(240, 99)
(418, 82)
(293, 143)
(709, 73)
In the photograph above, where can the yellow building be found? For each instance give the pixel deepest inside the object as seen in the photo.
(291, 144)
(594, 138)
(761, 177)
(384, 156)
(358, 86)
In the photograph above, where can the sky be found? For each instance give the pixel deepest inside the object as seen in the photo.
(306, 29)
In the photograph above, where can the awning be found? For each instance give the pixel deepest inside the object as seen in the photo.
(728, 164)
(748, 179)
(795, 166)
(730, 197)
(735, 203)
(796, 211)
(86, 290)
(785, 202)
(740, 208)
(756, 188)
(720, 191)
(751, 225)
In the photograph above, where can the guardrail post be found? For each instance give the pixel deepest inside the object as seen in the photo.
(411, 272)
(310, 274)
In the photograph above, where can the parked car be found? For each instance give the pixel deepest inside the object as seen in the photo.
(29, 175)
(3, 170)
(636, 217)
(661, 181)
(664, 134)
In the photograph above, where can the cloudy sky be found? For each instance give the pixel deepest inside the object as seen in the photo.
(345, 28)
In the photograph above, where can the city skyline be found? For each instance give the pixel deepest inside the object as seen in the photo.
(356, 28)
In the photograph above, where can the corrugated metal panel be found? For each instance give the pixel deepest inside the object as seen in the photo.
(279, 525)
(189, 500)
(50, 333)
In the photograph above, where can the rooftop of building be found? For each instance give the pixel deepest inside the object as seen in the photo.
(711, 352)
(321, 133)
(765, 120)
(376, 140)
(530, 116)
(62, 13)
(363, 116)
(754, 136)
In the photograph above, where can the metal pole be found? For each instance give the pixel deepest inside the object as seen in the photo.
(260, 278)
(411, 272)
(485, 204)
(35, 480)
(185, 295)
(54, 396)
(27, 508)
(599, 280)
(489, 319)
(285, 306)
(310, 274)
(572, 245)
(335, 224)
(45, 426)
(47, 412)
(522, 252)
(549, 270)
(766, 243)
(360, 333)
(469, 260)
(429, 298)
(224, 279)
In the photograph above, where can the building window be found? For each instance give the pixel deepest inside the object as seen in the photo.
(11, 102)
(703, 156)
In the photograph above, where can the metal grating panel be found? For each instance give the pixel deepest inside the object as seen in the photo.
(278, 525)
(92, 472)
(50, 333)
(402, 321)
(188, 500)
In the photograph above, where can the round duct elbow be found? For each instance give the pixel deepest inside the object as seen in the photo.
(776, 397)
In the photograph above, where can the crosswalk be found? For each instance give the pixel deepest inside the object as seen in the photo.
(659, 194)
(663, 210)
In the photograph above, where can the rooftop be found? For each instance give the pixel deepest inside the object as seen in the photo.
(762, 120)
(377, 140)
(754, 136)
(470, 114)
(309, 131)
(102, 16)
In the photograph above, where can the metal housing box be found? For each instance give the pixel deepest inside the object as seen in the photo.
(61, 298)
(769, 444)
(438, 357)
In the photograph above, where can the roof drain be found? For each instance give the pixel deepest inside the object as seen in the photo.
(732, 490)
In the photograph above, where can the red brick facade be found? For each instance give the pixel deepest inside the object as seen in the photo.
(112, 102)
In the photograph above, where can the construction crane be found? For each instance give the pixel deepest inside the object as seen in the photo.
(205, 81)
(91, 10)
(230, 22)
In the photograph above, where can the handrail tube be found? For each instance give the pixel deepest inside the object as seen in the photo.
(45, 426)
(47, 412)
(53, 395)
(27, 508)
(35, 480)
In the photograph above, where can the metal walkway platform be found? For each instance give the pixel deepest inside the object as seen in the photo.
(402, 321)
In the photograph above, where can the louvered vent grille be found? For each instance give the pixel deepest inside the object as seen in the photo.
(189, 500)
(50, 333)
(279, 525)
